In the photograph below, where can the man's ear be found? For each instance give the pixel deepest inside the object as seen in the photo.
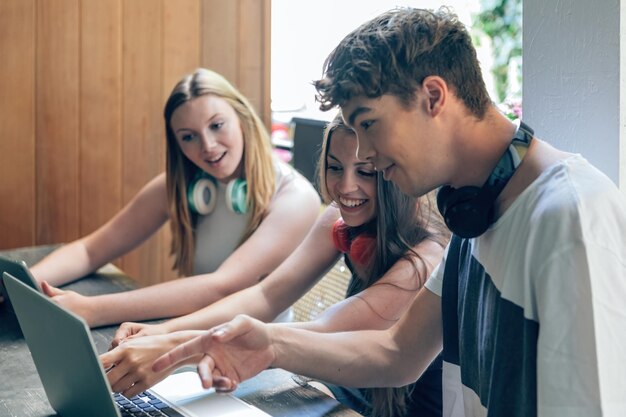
(436, 91)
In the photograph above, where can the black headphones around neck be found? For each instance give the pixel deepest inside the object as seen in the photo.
(469, 211)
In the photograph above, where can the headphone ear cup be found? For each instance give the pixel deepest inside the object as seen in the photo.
(202, 195)
(443, 195)
(236, 196)
(341, 236)
(362, 249)
(466, 211)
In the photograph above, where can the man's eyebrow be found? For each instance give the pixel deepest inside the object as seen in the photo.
(356, 112)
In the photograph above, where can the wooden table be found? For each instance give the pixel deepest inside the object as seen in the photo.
(274, 391)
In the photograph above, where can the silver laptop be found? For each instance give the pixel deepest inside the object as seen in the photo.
(75, 382)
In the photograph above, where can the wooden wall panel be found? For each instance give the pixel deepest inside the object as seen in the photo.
(57, 121)
(142, 130)
(181, 41)
(264, 77)
(251, 50)
(220, 28)
(17, 130)
(101, 112)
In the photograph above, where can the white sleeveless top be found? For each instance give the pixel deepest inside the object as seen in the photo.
(218, 233)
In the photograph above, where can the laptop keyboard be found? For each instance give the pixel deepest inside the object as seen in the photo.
(143, 405)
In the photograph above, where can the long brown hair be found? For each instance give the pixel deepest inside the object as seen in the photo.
(401, 222)
(257, 157)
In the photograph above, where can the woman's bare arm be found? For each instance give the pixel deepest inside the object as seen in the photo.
(290, 217)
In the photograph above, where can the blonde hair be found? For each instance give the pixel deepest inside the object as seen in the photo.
(257, 158)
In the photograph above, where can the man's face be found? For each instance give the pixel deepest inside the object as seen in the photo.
(399, 140)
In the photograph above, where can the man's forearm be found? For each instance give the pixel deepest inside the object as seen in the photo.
(358, 359)
(371, 358)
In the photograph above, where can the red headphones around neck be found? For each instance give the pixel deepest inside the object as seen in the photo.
(360, 248)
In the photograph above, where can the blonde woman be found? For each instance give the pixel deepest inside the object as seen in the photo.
(235, 211)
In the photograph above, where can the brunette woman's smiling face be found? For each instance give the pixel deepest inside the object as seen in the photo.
(350, 182)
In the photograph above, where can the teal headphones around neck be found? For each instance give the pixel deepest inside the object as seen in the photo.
(202, 194)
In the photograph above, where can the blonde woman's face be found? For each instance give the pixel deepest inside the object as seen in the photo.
(351, 183)
(209, 134)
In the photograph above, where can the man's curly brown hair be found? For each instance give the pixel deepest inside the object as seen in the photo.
(393, 54)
